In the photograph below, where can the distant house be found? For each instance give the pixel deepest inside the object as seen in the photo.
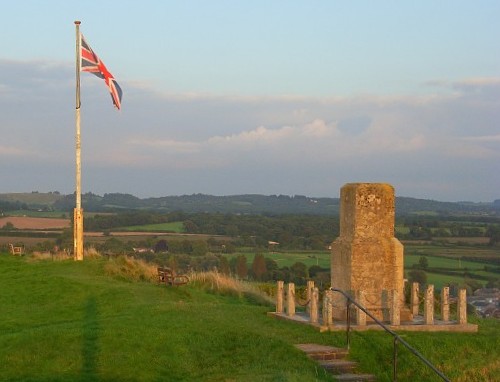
(272, 245)
(142, 250)
(486, 301)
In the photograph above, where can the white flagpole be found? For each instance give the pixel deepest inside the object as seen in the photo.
(78, 211)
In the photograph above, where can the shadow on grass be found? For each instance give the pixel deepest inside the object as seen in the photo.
(90, 345)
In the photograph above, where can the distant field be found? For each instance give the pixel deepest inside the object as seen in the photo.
(26, 222)
(466, 240)
(444, 280)
(177, 227)
(39, 214)
(309, 258)
(402, 229)
(443, 262)
(438, 256)
(451, 250)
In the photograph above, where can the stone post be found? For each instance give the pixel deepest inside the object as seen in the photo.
(313, 318)
(445, 304)
(309, 289)
(429, 305)
(290, 299)
(279, 297)
(462, 307)
(414, 299)
(360, 315)
(395, 309)
(328, 308)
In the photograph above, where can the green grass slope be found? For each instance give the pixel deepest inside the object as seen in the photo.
(71, 321)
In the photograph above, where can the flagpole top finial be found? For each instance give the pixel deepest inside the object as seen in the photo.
(77, 22)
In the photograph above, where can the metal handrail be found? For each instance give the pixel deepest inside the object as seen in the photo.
(396, 337)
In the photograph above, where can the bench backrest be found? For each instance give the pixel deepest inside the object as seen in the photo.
(15, 250)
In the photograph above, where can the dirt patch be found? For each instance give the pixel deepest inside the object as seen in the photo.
(26, 222)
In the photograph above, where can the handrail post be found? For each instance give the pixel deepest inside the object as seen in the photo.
(395, 360)
(348, 317)
(391, 332)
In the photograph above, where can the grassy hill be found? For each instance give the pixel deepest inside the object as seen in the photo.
(241, 204)
(89, 321)
(32, 198)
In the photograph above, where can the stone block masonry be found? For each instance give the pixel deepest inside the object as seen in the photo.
(366, 256)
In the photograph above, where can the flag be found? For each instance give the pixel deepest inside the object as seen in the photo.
(92, 64)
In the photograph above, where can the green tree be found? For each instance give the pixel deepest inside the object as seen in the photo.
(417, 276)
(423, 262)
(494, 234)
(241, 267)
(200, 248)
(8, 226)
(224, 266)
(259, 268)
(161, 246)
(299, 273)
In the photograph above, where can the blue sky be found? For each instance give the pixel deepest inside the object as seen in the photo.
(271, 97)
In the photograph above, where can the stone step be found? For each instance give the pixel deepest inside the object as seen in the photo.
(334, 360)
(354, 377)
(322, 352)
(338, 366)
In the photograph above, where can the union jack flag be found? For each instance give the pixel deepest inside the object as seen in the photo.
(92, 64)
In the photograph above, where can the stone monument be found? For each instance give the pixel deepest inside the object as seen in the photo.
(366, 258)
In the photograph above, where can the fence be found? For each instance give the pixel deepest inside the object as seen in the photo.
(286, 303)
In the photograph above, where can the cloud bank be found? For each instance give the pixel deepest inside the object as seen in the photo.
(443, 145)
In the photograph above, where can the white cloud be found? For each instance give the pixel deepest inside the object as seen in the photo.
(487, 138)
(12, 151)
(261, 143)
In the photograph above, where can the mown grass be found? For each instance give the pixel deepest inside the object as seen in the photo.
(89, 321)
(462, 357)
(69, 321)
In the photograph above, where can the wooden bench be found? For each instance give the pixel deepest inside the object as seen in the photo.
(169, 277)
(16, 251)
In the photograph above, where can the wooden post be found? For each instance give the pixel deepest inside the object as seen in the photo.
(290, 299)
(462, 307)
(445, 304)
(429, 305)
(313, 318)
(414, 299)
(279, 297)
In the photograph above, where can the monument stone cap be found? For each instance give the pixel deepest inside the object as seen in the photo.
(367, 210)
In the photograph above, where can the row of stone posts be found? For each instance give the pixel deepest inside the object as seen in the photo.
(331, 301)
(445, 304)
